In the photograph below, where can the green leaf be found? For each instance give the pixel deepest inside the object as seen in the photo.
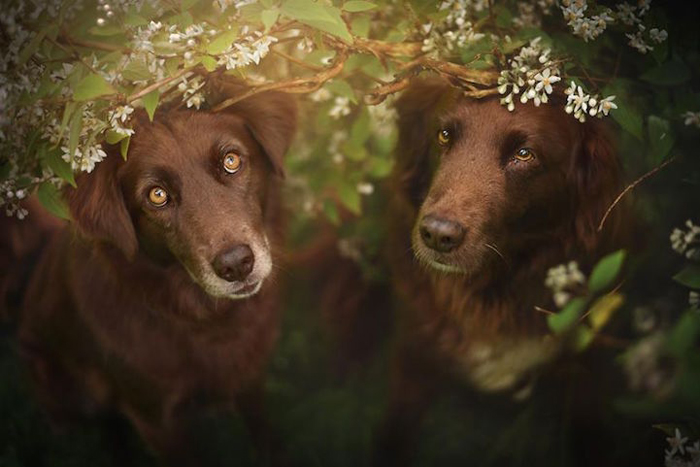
(671, 73)
(132, 19)
(582, 338)
(689, 276)
(603, 308)
(150, 102)
(67, 114)
(566, 318)
(684, 334)
(32, 47)
(107, 30)
(91, 87)
(187, 4)
(629, 119)
(49, 197)
(222, 42)
(606, 271)
(124, 146)
(54, 161)
(342, 88)
(660, 137)
(358, 5)
(331, 212)
(112, 137)
(360, 26)
(76, 125)
(136, 70)
(350, 197)
(269, 17)
(209, 63)
(323, 17)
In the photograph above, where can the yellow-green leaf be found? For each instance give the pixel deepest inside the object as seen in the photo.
(222, 42)
(150, 102)
(356, 6)
(603, 308)
(91, 87)
(50, 197)
(269, 17)
(315, 14)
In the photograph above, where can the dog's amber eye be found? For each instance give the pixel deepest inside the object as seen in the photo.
(525, 154)
(158, 196)
(444, 137)
(232, 162)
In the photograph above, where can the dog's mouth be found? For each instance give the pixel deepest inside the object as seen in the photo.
(247, 290)
(441, 266)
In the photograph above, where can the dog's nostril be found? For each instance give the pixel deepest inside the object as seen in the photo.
(441, 234)
(234, 264)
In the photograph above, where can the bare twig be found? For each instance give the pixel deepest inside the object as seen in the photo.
(629, 188)
(157, 85)
(292, 86)
(91, 44)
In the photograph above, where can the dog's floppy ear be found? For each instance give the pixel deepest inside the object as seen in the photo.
(271, 118)
(595, 173)
(98, 208)
(417, 109)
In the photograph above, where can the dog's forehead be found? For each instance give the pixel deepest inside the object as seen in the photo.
(492, 117)
(190, 134)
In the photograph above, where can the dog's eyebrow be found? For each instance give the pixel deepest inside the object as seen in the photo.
(164, 175)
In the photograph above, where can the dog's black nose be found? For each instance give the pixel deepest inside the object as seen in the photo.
(234, 264)
(441, 234)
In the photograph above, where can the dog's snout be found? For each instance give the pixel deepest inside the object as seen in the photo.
(234, 264)
(441, 234)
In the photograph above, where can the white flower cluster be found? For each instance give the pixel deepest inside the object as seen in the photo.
(531, 74)
(191, 89)
(563, 280)
(117, 119)
(88, 152)
(337, 139)
(10, 196)
(456, 30)
(341, 107)
(580, 104)
(691, 119)
(642, 364)
(680, 452)
(383, 116)
(365, 188)
(530, 13)
(590, 27)
(687, 242)
(251, 49)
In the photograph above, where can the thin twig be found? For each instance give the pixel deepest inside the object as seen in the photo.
(292, 86)
(629, 188)
(157, 85)
(301, 63)
(544, 310)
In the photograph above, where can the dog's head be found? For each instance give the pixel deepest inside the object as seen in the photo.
(490, 185)
(195, 190)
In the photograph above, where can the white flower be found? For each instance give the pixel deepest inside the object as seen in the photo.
(637, 41)
(122, 113)
(657, 35)
(677, 443)
(341, 107)
(545, 80)
(365, 188)
(562, 279)
(694, 299)
(691, 119)
(687, 242)
(606, 105)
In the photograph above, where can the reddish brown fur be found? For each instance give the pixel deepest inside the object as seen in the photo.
(536, 216)
(111, 318)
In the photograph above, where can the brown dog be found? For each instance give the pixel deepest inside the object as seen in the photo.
(159, 299)
(484, 202)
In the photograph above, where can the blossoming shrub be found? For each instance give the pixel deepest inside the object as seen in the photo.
(74, 72)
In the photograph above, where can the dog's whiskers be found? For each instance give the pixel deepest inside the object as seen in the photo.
(494, 248)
